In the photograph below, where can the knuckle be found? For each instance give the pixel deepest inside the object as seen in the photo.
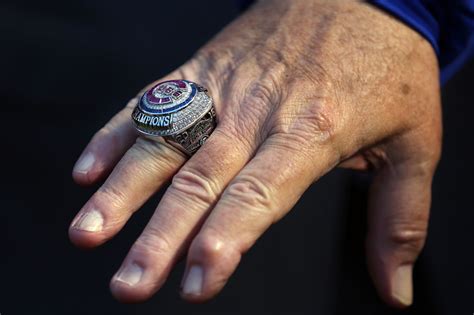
(315, 122)
(110, 196)
(158, 156)
(262, 95)
(411, 236)
(233, 137)
(152, 243)
(319, 120)
(158, 148)
(228, 132)
(195, 184)
(104, 131)
(111, 130)
(210, 247)
(250, 191)
(250, 106)
(107, 132)
(263, 92)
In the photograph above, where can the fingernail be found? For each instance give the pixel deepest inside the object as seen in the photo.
(402, 289)
(193, 281)
(90, 221)
(131, 274)
(84, 163)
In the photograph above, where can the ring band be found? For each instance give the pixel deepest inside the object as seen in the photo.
(180, 111)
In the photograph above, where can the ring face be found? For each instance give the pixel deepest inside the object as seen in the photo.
(168, 97)
(181, 111)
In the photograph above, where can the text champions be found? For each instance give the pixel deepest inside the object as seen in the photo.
(163, 121)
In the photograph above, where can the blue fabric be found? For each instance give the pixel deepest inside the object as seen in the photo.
(447, 24)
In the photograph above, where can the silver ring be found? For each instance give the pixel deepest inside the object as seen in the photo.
(180, 111)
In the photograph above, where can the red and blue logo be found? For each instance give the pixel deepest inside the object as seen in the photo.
(168, 97)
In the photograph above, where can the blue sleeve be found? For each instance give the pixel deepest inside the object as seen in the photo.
(447, 24)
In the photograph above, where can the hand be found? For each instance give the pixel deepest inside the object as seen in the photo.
(300, 87)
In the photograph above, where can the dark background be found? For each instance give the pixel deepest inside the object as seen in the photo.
(67, 66)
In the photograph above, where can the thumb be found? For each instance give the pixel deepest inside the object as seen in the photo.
(399, 202)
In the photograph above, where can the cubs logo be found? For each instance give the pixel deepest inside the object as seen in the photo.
(168, 96)
(171, 91)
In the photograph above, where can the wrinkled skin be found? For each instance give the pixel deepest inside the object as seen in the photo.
(300, 87)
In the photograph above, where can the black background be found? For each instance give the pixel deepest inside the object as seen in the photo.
(67, 66)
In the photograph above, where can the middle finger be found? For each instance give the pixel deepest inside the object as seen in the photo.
(186, 203)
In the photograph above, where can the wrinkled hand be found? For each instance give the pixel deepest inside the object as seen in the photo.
(300, 87)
